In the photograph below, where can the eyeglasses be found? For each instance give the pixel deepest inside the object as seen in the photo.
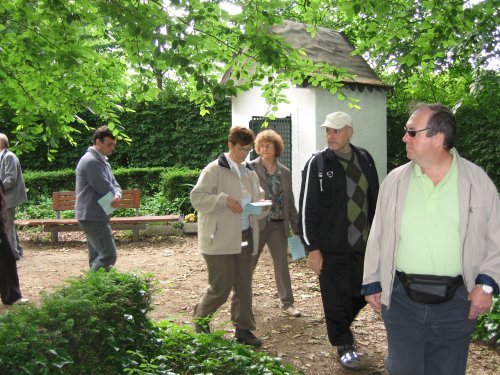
(266, 146)
(413, 133)
(244, 150)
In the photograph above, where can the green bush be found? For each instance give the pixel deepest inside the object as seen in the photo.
(97, 324)
(41, 209)
(147, 180)
(185, 352)
(177, 184)
(87, 327)
(488, 325)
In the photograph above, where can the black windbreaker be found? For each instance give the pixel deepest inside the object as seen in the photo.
(323, 221)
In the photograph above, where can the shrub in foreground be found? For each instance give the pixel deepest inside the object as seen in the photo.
(97, 324)
(86, 327)
(186, 352)
(488, 325)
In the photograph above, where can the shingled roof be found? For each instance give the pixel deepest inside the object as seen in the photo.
(328, 46)
(332, 47)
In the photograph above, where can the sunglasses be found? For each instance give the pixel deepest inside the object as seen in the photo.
(413, 133)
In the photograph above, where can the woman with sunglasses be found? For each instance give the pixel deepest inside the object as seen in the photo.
(276, 180)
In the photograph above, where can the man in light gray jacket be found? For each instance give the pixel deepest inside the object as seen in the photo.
(11, 176)
(432, 261)
(94, 180)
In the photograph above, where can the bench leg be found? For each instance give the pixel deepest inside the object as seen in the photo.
(136, 234)
(54, 237)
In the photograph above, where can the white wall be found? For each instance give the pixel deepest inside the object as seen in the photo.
(308, 108)
(369, 123)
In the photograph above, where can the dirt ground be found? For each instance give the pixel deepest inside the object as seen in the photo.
(181, 273)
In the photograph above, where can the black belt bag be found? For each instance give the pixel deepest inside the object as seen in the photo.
(430, 289)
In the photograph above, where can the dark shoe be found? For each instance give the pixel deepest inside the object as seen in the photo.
(349, 358)
(245, 336)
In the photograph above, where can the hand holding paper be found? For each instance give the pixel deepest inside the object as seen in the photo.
(255, 208)
(106, 202)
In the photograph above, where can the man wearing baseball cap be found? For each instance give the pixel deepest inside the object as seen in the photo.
(337, 204)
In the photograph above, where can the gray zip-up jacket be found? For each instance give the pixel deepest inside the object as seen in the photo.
(219, 228)
(479, 229)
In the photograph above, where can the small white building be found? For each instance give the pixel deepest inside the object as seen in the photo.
(309, 105)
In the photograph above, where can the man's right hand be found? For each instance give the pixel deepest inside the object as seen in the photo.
(115, 203)
(374, 301)
(315, 260)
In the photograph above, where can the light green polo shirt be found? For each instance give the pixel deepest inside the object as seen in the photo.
(429, 241)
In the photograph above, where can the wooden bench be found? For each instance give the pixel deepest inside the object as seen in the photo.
(65, 201)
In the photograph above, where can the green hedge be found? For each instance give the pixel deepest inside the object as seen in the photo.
(169, 132)
(177, 182)
(173, 182)
(176, 186)
(43, 184)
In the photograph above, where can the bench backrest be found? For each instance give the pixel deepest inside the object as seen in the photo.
(65, 200)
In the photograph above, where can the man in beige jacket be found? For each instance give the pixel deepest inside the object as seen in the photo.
(433, 256)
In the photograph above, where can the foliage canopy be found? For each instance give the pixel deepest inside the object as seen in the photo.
(62, 60)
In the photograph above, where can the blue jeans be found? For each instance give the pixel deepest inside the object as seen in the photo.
(100, 243)
(427, 339)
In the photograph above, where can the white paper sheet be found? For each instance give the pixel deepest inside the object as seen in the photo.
(296, 247)
(255, 208)
(105, 203)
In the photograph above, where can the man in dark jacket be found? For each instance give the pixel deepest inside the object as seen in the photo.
(337, 205)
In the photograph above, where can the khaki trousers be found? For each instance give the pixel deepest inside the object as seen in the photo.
(226, 273)
(276, 239)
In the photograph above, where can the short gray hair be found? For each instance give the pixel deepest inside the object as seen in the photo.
(4, 141)
(442, 120)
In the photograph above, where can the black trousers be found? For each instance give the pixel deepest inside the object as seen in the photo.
(340, 283)
(9, 280)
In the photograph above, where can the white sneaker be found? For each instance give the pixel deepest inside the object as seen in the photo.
(292, 311)
(349, 358)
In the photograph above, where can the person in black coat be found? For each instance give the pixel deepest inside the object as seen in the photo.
(337, 204)
(9, 280)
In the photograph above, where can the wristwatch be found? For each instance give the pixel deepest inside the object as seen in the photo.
(486, 288)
